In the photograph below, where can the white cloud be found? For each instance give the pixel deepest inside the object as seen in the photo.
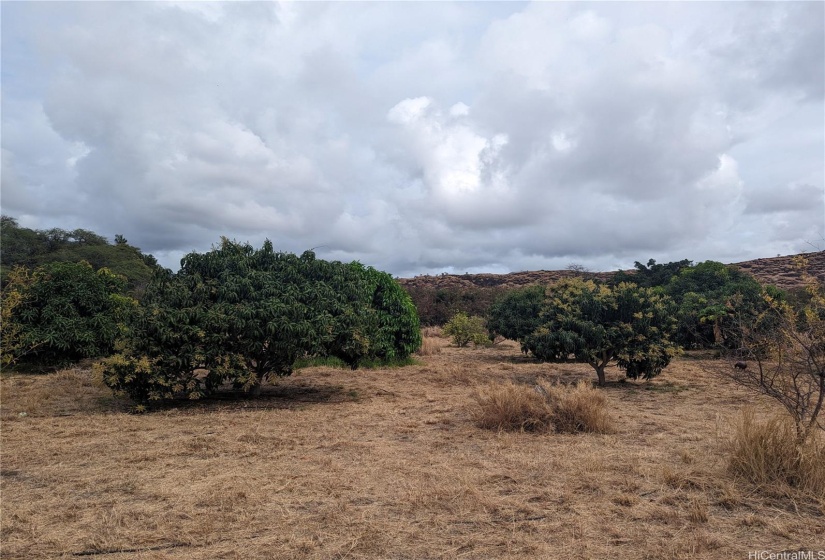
(421, 137)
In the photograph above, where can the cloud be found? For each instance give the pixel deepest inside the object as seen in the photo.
(421, 137)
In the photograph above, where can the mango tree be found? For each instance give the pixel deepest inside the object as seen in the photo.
(581, 321)
(240, 315)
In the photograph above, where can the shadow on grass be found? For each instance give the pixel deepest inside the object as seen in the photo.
(284, 395)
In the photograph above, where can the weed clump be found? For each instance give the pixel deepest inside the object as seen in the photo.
(512, 407)
(579, 408)
(429, 346)
(766, 454)
(542, 408)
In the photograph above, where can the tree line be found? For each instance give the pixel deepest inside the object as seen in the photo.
(240, 315)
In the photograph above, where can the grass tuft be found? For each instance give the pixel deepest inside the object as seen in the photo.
(579, 408)
(430, 346)
(512, 407)
(765, 454)
(542, 408)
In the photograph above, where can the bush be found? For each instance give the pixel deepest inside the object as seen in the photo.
(766, 454)
(240, 315)
(61, 313)
(542, 408)
(464, 330)
(785, 346)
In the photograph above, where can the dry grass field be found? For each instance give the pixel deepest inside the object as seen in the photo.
(385, 464)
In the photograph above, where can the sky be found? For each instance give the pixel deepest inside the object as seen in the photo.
(425, 137)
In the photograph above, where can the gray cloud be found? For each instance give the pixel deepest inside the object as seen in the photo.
(421, 137)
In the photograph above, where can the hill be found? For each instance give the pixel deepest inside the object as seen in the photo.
(438, 298)
(30, 248)
(778, 271)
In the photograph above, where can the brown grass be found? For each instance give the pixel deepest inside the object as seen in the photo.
(542, 407)
(764, 453)
(430, 346)
(512, 407)
(579, 408)
(379, 464)
(432, 332)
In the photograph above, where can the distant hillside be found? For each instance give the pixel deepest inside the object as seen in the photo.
(30, 248)
(438, 298)
(778, 271)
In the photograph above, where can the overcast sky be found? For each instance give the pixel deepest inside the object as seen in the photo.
(422, 137)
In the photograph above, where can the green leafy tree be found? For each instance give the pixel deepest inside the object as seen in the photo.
(651, 275)
(15, 345)
(62, 312)
(465, 329)
(582, 321)
(709, 297)
(396, 331)
(240, 315)
(516, 314)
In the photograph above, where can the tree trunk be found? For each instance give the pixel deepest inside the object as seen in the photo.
(718, 337)
(600, 375)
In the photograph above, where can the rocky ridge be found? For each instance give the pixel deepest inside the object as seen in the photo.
(779, 271)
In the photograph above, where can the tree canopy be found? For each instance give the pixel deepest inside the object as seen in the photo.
(581, 321)
(708, 296)
(61, 312)
(241, 315)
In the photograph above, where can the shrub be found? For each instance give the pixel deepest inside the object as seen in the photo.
(62, 312)
(240, 315)
(785, 346)
(766, 454)
(464, 330)
(542, 408)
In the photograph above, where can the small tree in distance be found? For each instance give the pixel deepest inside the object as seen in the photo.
(581, 321)
(515, 315)
(465, 329)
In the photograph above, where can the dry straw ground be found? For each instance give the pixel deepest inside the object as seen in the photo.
(384, 464)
